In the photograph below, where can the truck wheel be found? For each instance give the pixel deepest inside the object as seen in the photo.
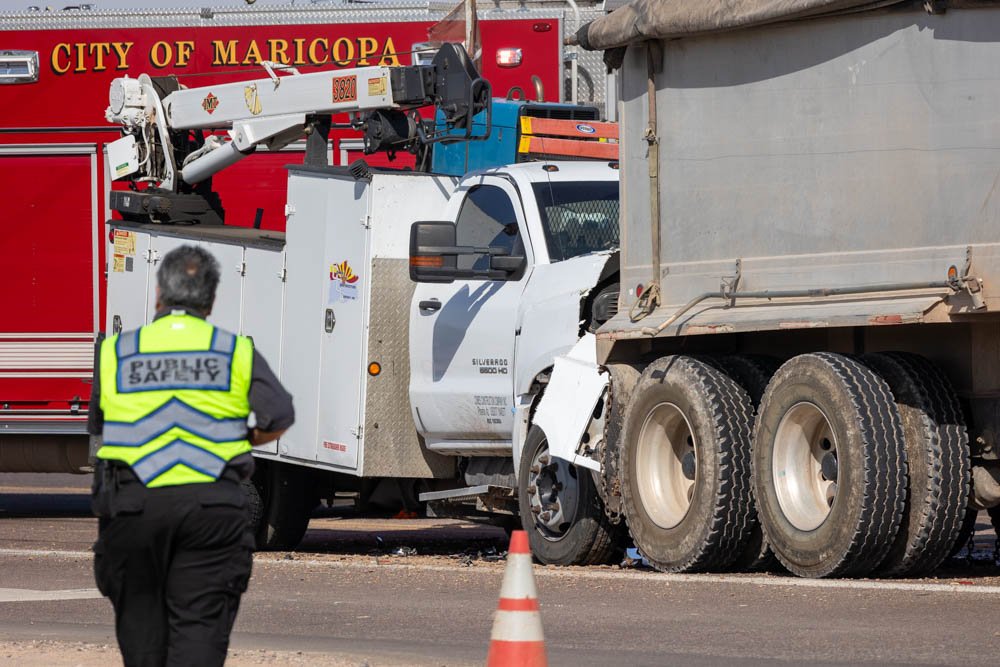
(753, 373)
(560, 508)
(829, 466)
(937, 455)
(289, 498)
(686, 466)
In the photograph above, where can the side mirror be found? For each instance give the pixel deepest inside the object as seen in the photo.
(434, 256)
(429, 263)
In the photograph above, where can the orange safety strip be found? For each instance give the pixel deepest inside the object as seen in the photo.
(569, 147)
(568, 128)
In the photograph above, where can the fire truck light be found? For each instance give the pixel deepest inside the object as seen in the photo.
(509, 57)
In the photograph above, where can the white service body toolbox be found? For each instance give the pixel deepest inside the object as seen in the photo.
(323, 303)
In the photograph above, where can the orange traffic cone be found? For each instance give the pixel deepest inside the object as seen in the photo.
(516, 640)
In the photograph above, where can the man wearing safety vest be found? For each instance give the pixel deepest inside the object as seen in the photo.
(171, 403)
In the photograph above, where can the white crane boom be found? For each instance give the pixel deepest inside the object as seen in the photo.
(157, 116)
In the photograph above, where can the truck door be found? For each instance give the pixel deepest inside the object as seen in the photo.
(462, 334)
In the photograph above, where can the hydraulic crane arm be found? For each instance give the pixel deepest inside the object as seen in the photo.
(164, 148)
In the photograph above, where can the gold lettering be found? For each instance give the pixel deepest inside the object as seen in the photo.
(278, 49)
(252, 56)
(160, 54)
(224, 54)
(300, 57)
(338, 54)
(313, 58)
(122, 49)
(183, 53)
(80, 67)
(367, 46)
(63, 50)
(389, 54)
(98, 50)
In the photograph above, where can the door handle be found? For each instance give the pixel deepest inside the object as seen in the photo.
(430, 306)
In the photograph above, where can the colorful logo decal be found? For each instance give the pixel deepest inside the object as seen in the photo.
(252, 98)
(343, 272)
(210, 103)
(343, 283)
(586, 129)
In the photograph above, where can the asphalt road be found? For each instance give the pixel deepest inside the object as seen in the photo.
(347, 599)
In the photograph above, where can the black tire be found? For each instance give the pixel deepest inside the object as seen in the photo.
(938, 468)
(686, 413)
(288, 498)
(586, 537)
(623, 381)
(255, 504)
(846, 504)
(753, 373)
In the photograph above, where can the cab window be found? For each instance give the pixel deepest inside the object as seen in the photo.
(578, 217)
(487, 219)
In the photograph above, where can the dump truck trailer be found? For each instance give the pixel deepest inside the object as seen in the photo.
(805, 358)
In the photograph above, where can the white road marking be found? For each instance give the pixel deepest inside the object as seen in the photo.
(28, 595)
(777, 581)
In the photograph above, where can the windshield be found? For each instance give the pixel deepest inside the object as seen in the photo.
(578, 217)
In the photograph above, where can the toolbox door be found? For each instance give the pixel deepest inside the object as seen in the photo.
(344, 305)
(226, 312)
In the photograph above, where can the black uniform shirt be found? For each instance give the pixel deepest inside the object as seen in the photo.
(270, 403)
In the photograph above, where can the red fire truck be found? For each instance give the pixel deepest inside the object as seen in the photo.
(55, 69)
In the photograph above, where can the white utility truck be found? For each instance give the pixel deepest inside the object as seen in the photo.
(414, 317)
(806, 354)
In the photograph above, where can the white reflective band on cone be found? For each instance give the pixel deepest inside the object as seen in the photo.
(518, 580)
(517, 626)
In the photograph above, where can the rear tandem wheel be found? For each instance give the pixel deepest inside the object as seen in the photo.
(829, 466)
(686, 466)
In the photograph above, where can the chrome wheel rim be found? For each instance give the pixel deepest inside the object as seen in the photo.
(666, 465)
(804, 466)
(553, 494)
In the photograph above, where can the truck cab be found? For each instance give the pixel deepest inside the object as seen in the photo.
(481, 338)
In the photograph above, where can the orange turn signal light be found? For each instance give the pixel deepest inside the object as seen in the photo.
(374, 368)
(432, 261)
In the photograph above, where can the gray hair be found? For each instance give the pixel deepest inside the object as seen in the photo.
(188, 276)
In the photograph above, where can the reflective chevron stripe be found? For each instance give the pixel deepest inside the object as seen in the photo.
(174, 413)
(155, 464)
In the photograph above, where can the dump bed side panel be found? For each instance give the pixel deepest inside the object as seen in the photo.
(847, 151)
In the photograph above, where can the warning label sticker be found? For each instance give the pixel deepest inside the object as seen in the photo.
(124, 243)
(376, 86)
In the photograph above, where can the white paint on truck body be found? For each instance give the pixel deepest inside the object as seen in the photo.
(475, 359)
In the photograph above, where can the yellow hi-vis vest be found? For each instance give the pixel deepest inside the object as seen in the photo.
(175, 400)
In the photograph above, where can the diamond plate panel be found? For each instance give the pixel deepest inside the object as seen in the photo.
(391, 445)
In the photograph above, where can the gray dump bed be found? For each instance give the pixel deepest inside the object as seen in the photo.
(847, 151)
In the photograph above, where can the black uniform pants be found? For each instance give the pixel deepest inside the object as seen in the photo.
(174, 562)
